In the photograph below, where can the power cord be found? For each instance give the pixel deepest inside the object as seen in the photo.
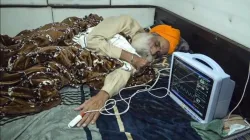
(242, 94)
(148, 88)
(113, 101)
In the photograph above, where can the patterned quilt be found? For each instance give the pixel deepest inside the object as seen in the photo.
(37, 63)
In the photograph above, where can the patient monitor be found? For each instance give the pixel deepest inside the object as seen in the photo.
(200, 86)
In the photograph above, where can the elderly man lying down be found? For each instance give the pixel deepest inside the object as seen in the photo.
(140, 49)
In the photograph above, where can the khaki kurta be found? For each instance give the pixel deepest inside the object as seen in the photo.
(97, 41)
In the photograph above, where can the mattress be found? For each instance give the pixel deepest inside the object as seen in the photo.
(148, 118)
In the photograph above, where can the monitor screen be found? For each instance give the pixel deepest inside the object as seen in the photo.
(191, 86)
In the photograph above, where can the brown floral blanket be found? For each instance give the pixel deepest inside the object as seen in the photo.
(37, 63)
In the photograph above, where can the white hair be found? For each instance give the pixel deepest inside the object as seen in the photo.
(141, 44)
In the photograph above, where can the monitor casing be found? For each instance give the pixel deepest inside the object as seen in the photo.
(221, 92)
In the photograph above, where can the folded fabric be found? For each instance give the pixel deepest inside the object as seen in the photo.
(234, 124)
(209, 131)
(118, 41)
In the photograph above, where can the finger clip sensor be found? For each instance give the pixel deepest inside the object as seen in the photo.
(75, 120)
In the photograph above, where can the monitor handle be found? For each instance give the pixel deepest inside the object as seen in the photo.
(210, 62)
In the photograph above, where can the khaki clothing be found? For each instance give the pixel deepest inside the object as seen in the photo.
(97, 41)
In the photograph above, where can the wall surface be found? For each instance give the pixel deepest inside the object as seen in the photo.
(18, 15)
(145, 16)
(79, 2)
(23, 2)
(14, 20)
(229, 18)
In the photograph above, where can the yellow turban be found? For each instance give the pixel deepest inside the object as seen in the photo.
(170, 34)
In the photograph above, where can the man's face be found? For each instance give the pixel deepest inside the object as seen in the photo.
(159, 46)
(150, 46)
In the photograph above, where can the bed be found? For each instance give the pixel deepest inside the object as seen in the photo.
(148, 117)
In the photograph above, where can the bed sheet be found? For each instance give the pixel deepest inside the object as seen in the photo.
(149, 118)
(51, 124)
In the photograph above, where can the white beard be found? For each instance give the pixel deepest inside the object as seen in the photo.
(141, 45)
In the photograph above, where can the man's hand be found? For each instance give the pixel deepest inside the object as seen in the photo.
(94, 103)
(134, 60)
(139, 62)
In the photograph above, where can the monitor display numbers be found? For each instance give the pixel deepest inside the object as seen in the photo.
(191, 86)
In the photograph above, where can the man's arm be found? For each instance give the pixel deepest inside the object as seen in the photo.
(97, 40)
(114, 81)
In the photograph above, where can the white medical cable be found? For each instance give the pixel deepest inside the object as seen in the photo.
(113, 101)
(242, 94)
